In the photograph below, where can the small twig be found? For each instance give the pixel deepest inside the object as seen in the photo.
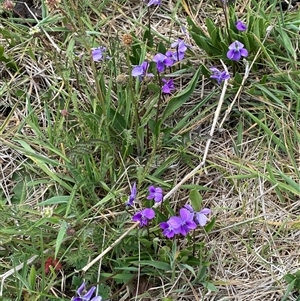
(84, 269)
(245, 77)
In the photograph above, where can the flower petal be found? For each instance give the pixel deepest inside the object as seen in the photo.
(191, 225)
(205, 211)
(89, 294)
(175, 222)
(137, 217)
(81, 288)
(234, 55)
(97, 298)
(149, 213)
(137, 70)
(189, 207)
(201, 219)
(244, 52)
(185, 214)
(163, 225)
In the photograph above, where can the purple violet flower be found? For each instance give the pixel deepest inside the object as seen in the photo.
(132, 196)
(168, 231)
(240, 26)
(162, 61)
(98, 54)
(179, 45)
(189, 207)
(144, 216)
(184, 223)
(87, 296)
(168, 86)
(200, 217)
(219, 75)
(175, 56)
(154, 2)
(155, 193)
(172, 55)
(236, 51)
(181, 48)
(141, 70)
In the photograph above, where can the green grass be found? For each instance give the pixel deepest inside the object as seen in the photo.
(65, 178)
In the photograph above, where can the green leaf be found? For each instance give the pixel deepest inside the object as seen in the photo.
(194, 28)
(32, 278)
(293, 186)
(177, 101)
(163, 253)
(160, 265)
(9, 63)
(297, 284)
(148, 38)
(60, 237)
(161, 48)
(119, 122)
(288, 290)
(289, 278)
(238, 78)
(154, 127)
(210, 225)
(188, 267)
(196, 199)
(20, 191)
(269, 95)
(286, 41)
(213, 32)
(41, 161)
(60, 199)
(131, 269)
(202, 43)
(210, 286)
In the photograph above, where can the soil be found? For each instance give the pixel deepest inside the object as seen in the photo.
(21, 9)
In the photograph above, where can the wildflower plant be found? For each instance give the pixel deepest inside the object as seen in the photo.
(187, 220)
(153, 2)
(141, 71)
(98, 54)
(231, 41)
(144, 216)
(162, 61)
(218, 75)
(83, 295)
(240, 26)
(183, 223)
(168, 86)
(155, 193)
(236, 51)
(132, 195)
